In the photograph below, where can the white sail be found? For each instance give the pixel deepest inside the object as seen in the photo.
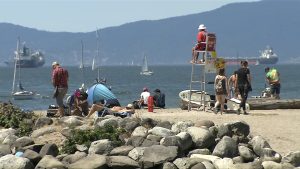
(145, 69)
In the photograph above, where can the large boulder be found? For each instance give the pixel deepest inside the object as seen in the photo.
(108, 122)
(13, 162)
(6, 132)
(92, 161)
(204, 123)
(246, 153)
(250, 165)
(33, 156)
(42, 131)
(187, 163)
(186, 141)
(140, 131)
(259, 143)
(10, 140)
(164, 124)
(49, 149)
(4, 150)
(49, 161)
(270, 155)
(240, 129)
(121, 151)
(72, 158)
(137, 153)
(23, 141)
(43, 121)
(225, 163)
(292, 158)
(71, 121)
(227, 147)
(272, 165)
(148, 123)
(158, 154)
(224, 130)
(122, 162)
(101, 147)
(135, 141)
(181, 126)
(159, 131)
(210, 158)
(201, 137)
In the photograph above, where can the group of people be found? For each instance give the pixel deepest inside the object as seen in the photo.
(158, 98)
(240, 85)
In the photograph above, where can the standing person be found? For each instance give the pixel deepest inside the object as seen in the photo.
(159, 99)
(243, 83)
(60, 79)
(221, 90)
(272, 77)
(201, 44)
(144, 97)
(231, 84)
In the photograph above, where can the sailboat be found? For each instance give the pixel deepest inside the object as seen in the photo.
(145, 70)
(20, 93)
(81, 66)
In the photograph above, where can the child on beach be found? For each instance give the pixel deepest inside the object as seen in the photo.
(221, 90)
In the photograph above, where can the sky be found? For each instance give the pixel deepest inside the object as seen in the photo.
(88, 15)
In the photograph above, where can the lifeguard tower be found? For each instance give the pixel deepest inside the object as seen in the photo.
(198, 98)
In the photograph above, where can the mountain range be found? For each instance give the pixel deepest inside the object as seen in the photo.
(242, 30)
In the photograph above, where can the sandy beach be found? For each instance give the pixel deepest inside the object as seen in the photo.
(279, 127)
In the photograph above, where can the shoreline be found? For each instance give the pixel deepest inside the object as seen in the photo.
(279, 127)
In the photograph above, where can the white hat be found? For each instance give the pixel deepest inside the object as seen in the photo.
(201, 26)
(130, 106)
(55, 63)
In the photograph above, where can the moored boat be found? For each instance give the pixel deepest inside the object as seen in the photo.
(267, 56)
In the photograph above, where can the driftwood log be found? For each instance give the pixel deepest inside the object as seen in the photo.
(270, 104)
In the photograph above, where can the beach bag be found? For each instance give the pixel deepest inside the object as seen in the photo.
(219, 86)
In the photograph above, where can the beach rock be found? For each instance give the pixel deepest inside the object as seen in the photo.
(84, 127)
(159, 131)
(270, 155)
(23, 141)
(201, 137)
(33, 156)
(258, 143)
(204, 151)
(292, 158)
(187, 163)
(35, 147)
(246, 153)
(185, 142)
(227, 147)
(67, 132)
(12, 162)
(206, 123)
(61, 157)
(210, 158)
(149, 143)
(157, 154)
(238, 159)
(168, 165)
(214, 131)
(170, 141)
(49, 149)
(199, 166)
(271, 165)
(92, 161)
(181, 126)
(82, 148)
(72, 158)
(6, 132)
(148, 123)
(224, 130)
(140, 131)
(101, 147)
(129, 124)
(122, 162)
(121, 151)
(4, 149)
(42, 131)
(154, 137)
(225, 163)
(10, 140)
(49, 161)
(43, 121)
(71, 121)
(251, 165)
(208, 165)
(164, 124)
(135, 141)
(240, 129)
(108, 122)
(136, 153)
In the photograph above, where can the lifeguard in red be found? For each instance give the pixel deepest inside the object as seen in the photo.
(201, 44)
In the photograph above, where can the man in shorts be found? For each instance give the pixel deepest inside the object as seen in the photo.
(60, 79)
(272, 77)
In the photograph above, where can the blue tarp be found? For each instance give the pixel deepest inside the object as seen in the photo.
(98, 92)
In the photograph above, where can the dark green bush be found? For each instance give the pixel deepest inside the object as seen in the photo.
(86, 137)
(13, 117)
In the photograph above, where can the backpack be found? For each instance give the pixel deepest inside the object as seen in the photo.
(219, 86)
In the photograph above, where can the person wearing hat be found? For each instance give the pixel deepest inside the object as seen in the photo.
(101, 110)
(159, 99)
(144, 97)
(201, 44)
(60, 77)
(273, 79)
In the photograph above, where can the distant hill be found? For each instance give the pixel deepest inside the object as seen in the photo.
(241, 28)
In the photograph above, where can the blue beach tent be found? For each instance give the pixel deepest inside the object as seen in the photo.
(98, 92)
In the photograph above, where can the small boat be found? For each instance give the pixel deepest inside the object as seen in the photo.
(21, 93)
(145, 70)
(194, 100)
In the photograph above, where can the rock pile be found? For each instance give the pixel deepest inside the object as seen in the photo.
(150, 144)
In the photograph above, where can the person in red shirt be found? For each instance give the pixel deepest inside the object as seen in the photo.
(201, 44)
(60, 78)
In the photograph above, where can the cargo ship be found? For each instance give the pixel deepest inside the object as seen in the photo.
(267, 56)
(27, 58)
(237, 61)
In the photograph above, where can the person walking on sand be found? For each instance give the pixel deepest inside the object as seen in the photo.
(273, 79)
(243, 83)
(201, 44)
(221, 90)
(60, 79)
(234, 92)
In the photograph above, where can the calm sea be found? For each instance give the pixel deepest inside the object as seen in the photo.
(127, 83)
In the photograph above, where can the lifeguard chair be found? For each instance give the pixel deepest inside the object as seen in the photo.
(210, 47)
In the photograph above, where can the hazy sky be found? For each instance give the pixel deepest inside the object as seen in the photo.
(86, 15)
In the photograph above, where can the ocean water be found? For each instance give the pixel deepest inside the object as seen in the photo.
(127, 83)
